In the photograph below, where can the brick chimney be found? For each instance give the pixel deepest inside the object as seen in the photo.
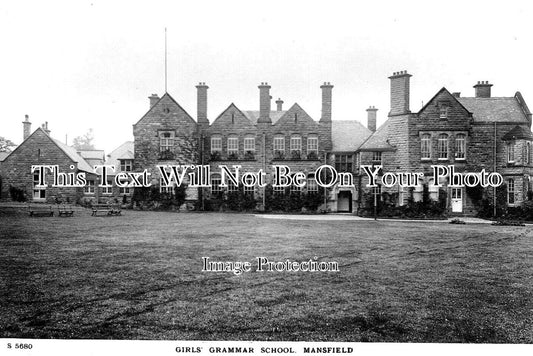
(279, 104)
(371, 119)
(456, 94)
(154, 98)
(201, 92)
(45, 128)
(26, 127)
(399, 93)
(482, 89)
(264, 104)
(327, 89)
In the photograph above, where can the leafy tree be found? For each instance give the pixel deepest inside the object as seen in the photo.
(84, 142)
(5, 144)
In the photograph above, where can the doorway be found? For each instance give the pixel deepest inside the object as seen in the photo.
(344, 202)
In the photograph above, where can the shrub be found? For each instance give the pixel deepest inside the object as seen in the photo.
(17, 194)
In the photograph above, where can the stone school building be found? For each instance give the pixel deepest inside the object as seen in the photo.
(470, 132)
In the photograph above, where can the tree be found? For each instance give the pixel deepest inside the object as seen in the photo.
(5, 144)
(84, 142)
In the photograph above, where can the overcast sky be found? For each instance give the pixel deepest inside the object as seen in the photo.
(92, 64)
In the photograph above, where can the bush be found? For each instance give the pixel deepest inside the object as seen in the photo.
(150, 198)
(17, 194)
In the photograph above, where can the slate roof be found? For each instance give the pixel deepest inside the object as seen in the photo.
(378, 141)
(497, 109)
(253, 115)
(124, 151)
(73, 155)
(3, 155)
(348, 135)
(92, 154)
(518, 133)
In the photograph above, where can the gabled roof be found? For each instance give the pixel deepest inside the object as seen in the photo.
(166, 95)
(67, 150)
(73, 155)
(124, 151)
(378, 141)
(518, 133)
(290, 115)
(348, 135)
(232, 105)
(499, 109)
(253, 115)
(443, 89)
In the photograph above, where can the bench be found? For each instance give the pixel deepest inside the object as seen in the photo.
(40, 210)
(65, 210)
(106, 209)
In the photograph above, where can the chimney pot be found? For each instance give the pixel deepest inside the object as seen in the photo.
(400, 93)
(483, 89)
(371, 118)
(327, 89)
(279, 104)
(264, 103)
(201, 102)
(153, 99)
(456, 94)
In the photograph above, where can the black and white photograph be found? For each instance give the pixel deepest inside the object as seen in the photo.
(266, 177)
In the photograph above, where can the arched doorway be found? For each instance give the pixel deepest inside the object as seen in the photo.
(344, 201)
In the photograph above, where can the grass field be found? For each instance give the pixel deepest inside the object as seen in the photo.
(139, 277)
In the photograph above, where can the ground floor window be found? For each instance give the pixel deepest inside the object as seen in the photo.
(89, 187)
(163, 189)
(38, 192)
(215, 184)
(125, 190)
(510, 191)
(108, 190)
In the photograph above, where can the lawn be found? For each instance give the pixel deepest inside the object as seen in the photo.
(139, 277)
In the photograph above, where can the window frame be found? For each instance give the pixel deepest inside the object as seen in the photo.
(511, 191)
(460, 147)
(425, 146)
(218, 140)
(443, 150)
(166, 143)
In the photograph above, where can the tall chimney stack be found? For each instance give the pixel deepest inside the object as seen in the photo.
(26, 127)
(264, 103)
(399, 93)
(279, 104)
(327, 89)
(154, 98)
(201, 100)
(371, 119)
(482, 89)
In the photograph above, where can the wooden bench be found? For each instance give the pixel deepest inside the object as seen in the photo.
(65, 210)
(40, 210)
(106, 209)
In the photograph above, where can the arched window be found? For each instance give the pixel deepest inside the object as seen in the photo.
(443, 146)
(425, 146)
(460, 146)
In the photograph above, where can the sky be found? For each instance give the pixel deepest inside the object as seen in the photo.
(83, 65)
